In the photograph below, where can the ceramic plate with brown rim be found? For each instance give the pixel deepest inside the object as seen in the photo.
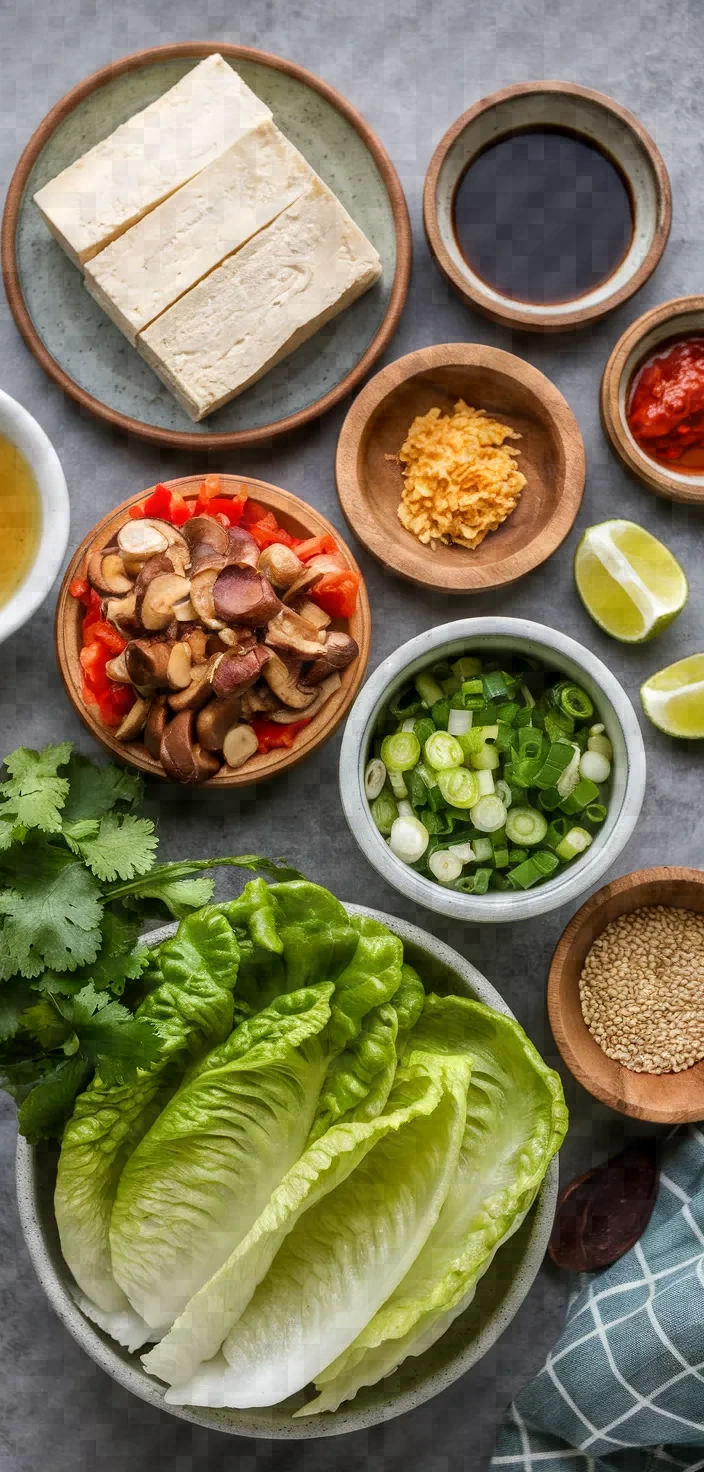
(87, 355)
(297, 518)
(667, 1098)
(369, 479)
(606, 127)
(656, 330)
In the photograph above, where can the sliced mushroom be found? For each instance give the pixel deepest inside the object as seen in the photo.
(205, 531)
(322, 693)
(283, 680)
(236, 672)
(260, 700)
(199, 691)
(178, 670)
(181, 756)
(116, 669)
(198, 640)
(174, 536)
(240, 639)
(158, 602)
(134, 721)
(122, 612)
(239, 745)
(313, 614)
(156, 567)
(289, 631)
(106, 573)
(202, 585)
(156, 725)
(147, 662)
(241, 595)
(215, 720)
(339, 651)
(184, 612)
(139, 540)
(312, 572)
(242, 550)
(280, 565)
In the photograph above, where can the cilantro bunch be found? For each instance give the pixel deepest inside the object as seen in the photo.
(78, 879)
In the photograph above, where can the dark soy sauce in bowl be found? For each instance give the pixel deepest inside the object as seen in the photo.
(543, 215)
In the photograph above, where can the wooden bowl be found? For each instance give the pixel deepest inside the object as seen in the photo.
(578, 110)
(369, 480)
(675, 319)
(296, 517)
(668, 1098)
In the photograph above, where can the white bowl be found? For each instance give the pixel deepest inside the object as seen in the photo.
(499, 1296)
(23, 431)
(557, 652)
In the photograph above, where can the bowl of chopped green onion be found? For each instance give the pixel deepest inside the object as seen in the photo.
(492, 769)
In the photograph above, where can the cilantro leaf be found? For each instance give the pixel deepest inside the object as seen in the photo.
(44, 1109)
(34, 794)
(52, 913)
(119, 960)
(122, 846)
(109, 1035)
(165, 881)
(46, 1024)
(15, 997)
(96, 790)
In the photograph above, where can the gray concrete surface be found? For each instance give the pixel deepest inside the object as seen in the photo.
(410, 68)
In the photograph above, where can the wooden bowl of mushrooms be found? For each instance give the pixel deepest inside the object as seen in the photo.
(213, 630)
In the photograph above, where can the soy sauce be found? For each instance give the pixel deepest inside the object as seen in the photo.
(543, 215)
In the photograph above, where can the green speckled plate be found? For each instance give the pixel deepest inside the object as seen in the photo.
(83, 351)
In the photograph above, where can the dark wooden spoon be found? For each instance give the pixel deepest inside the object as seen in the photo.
(601, 1214)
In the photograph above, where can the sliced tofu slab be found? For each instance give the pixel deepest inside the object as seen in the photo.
(261, 303)
(113, 185)
(149, 267)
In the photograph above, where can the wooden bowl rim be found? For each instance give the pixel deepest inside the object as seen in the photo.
(627, 884)
(648, 471)
(573, 316)
(186, 439)
(273, 763)
(390, 553)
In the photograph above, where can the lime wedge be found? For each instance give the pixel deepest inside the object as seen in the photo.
(628, 581)
(673, 699)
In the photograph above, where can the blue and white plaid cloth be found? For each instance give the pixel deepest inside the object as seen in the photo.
(623, 1389)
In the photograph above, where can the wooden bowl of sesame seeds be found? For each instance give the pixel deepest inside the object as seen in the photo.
(643, 990)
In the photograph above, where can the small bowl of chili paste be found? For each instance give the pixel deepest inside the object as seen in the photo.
(652, 399)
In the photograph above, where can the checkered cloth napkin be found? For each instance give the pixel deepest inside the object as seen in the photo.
(623, 1389)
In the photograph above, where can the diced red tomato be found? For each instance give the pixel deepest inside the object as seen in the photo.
(159, 503)
(179, 511)
(115, 702)
(88, 697)
(109, 636)
(221, 506)
(254, 511)
(94, 657)
(270, 736)
(137, 513)
(265, 536)
(316, 546)
(92, 615)
(336, 593)
(80, 588)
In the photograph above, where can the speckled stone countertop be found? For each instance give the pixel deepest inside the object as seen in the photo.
(411, 70)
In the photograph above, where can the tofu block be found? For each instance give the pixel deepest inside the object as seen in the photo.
(113, 185)
(261, 303)
(149, 267)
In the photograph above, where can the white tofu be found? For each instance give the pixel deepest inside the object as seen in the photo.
(100, 195)
(261, 303)
(150, 266)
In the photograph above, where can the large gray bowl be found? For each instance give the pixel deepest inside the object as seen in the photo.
(499, 1296)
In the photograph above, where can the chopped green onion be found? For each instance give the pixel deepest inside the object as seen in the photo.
(499, 880)
(559, 756)
(487, 786)
(594, 766)
(574, 701)
(404, 809)
(445, 866)
(398, 785)
(598, 729)
(428, 687)
(558, 725)
(503, 791)
(483, 849)
(384, 813)
(400, 752)
(465, 851)
(517, 855)
(495, 686)
(471, 740)
(524, 773)
(488, 814)
(424, 728)
(417, 790)
(459, 722)
(442, 751)
(451, 686)
(374, 778)
(508, 712)
(459, 787)
(570, 777)
(549, 799)
(601, 744)
(473, 687)
(487, 759)
(504, 737)
(559, 828)
(477, 883)
(409, 839)
(440, 713)
(529, 699)
(500, 848)
(575, 842)
(595, 813)
(584, 793)
(427, 775)
(532, 870)
(467, 666)
(526, 826)
(530, 743)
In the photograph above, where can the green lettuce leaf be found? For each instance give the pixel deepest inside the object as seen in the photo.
(516, 1120)
(202, 1174)
(341, 1258)
(359, 1079)
(190, 1011)
(408, 1003)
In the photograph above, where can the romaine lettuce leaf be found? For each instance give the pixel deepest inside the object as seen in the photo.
(343, 1256)
(205, 1170)
(192, 1007)
(359, 1079)
(516, 1120)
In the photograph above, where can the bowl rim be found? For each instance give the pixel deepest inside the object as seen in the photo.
(504, 310)
(634, 341)
(186, 439)
(25, 432)
(471, 355)
(493, 907)
(99, 1347)
(627, 884)
(285, 504)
